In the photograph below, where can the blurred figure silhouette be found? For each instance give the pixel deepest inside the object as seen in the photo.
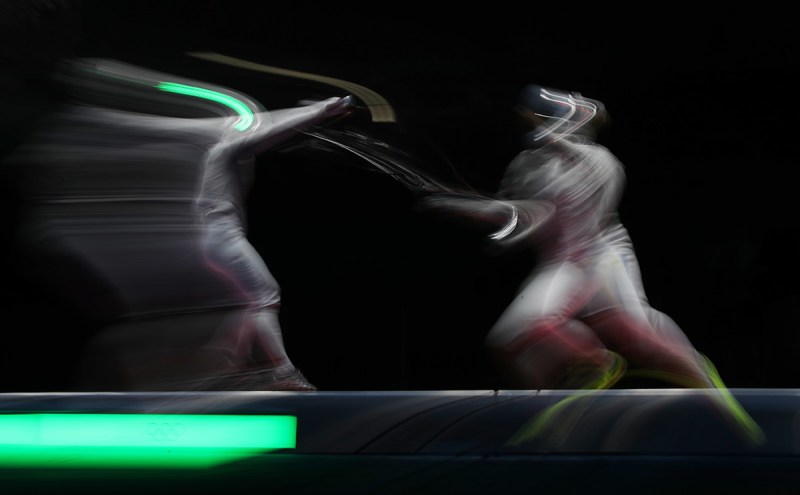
(582, 316)
(134, 197)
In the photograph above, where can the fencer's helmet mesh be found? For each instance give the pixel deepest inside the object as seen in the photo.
(544, 102)
(563, 112)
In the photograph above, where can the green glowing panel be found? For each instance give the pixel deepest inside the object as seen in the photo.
(246, 115)
(139, 440)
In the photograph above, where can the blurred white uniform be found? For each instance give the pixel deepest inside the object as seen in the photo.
(586, 262)
(584, 307)
(582, 314)
(138, 215)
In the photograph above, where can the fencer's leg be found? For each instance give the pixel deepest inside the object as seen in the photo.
(623, 318)
(536, 340)
(667, 350)
(232, 338)
(563, 355)
(273, 369)
(677, 362)
(552, 354)
(667, 328)
(269, 347)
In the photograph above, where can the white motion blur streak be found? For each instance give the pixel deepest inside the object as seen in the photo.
(574, 104)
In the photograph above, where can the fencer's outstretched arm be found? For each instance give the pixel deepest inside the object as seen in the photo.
(510, 222)
(528, 221)
(232, 120)
(272, 128)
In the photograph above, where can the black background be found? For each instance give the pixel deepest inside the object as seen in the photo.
(379, 295)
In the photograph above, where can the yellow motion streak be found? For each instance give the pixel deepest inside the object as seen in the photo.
(379, 108)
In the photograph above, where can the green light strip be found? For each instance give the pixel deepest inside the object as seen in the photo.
(246, 115)
(148, 430)
(163, 458)
(138, 440)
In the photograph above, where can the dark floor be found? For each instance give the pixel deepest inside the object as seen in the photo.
(633, 441)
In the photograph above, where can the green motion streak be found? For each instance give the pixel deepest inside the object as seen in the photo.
(138, 440)
(246, 115)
